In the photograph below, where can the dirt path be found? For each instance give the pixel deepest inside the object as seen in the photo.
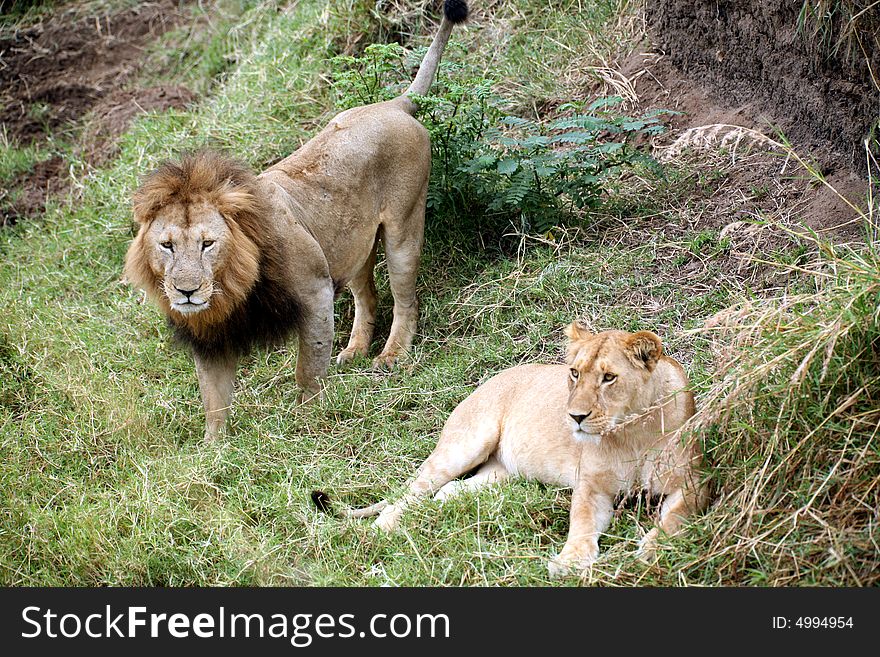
(69, 68)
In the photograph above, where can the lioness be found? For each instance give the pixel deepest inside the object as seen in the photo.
(236, 260)
(603, 423)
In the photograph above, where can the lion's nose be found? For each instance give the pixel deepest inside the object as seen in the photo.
(580, 418)
(186, 293)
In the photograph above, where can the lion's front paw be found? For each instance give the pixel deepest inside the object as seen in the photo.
(387, 360)
(569, 563)
(310, 395)
(212, 433)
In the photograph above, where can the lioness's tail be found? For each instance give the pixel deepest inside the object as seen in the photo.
(454, 11)
(322, 501)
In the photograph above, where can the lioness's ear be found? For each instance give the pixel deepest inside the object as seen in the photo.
(577, 330)
(644, 348)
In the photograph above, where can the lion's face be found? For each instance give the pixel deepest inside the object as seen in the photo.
(607, 373)
(186, 245)
(197, 253)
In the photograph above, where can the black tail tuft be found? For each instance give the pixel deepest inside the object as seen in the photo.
(455, 10)
(322, 501)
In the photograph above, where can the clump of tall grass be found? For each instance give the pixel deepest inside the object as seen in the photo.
(850, 28)
(792, 425)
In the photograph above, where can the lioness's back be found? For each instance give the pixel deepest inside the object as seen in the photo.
(506, 391)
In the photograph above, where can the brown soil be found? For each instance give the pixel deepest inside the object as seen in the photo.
(816, 82)
(767, 187)
(111, 117)
(72, 69)
(31, 190)
(54, 72)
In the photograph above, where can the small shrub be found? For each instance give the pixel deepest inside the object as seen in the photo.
(531, 174)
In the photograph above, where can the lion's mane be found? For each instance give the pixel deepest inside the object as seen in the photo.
(256, 305)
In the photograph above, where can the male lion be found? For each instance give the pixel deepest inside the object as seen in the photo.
(603, 423)
(237, 260)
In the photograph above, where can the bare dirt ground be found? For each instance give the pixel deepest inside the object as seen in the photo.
(72, 69)
(812, 66)
(758, 181)
(767, 66)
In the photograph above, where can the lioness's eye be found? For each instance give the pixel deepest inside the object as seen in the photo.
(167, 245)
(609, 377)
(206, 244)
(574, 373)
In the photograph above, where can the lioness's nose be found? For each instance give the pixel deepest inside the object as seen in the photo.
(580, 418)
(186, 293)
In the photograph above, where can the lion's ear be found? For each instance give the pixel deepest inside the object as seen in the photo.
(577, 330)
(145, 204)
(644, 348)
(232, 202)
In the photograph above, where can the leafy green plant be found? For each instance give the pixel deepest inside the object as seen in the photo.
(375, 76)
(545, 172)
(531, 174)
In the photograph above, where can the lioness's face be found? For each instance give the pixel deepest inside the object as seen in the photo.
(185, 247)
(606, 373)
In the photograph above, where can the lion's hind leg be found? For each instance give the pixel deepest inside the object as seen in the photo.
(403, 247)
(363, 288)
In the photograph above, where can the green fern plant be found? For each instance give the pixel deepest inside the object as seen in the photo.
(534, 175)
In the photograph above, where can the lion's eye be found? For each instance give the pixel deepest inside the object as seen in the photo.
(609, 377)
(206, 244)
(574, 373)
(167, 245)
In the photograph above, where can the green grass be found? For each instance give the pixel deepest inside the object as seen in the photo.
(104, 475)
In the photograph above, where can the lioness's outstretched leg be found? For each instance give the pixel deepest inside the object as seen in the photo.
(363, 287)
(491, 472)
(216, 380)
(460, 449)
(591, 510)
(403, 245)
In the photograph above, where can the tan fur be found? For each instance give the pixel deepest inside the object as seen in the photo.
(528, 421)
(310, 225)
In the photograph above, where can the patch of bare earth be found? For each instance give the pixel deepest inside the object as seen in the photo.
(659, 84)
(731, 180)
(73, 69)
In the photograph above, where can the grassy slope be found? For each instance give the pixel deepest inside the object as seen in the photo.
(105, 480)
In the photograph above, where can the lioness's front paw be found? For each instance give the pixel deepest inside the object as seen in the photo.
(647, 551)
(570, 563)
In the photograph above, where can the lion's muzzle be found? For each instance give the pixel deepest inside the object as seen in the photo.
(188, 301)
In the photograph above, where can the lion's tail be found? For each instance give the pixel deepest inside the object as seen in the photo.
(322, 501)
(454, 11)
